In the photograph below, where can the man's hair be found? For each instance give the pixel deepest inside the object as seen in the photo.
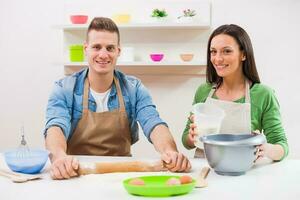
(244, 42)
(103, 24)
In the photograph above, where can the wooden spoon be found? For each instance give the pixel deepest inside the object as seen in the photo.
(18, 178)
(200, 181)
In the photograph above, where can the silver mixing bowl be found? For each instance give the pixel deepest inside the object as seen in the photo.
(231, 154)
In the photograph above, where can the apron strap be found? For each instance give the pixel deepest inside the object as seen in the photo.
(247, 91)
(212, 91)
(119, 93)
(86, 95)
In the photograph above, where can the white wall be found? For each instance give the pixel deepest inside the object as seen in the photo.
(30, 49)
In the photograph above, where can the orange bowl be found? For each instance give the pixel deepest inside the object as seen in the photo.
(186, 57)
(78, 19)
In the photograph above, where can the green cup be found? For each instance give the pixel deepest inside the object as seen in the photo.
(76, 53)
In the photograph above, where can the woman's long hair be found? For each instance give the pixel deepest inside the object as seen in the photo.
(244, 42)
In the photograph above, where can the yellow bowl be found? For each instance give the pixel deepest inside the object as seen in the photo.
(186, 57)
(121, 18)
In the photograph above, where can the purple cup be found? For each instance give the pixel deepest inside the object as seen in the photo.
(156, 57)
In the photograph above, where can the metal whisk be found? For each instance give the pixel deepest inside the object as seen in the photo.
(23, 149)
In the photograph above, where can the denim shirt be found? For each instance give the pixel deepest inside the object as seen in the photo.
(64, 107)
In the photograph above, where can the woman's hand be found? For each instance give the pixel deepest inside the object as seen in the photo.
(263, 150)
(272, 151)
(260, 149)
(193, 135)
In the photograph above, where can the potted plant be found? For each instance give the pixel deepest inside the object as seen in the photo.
(159, 14)
(188, 15)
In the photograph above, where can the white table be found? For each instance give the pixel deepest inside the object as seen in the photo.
(265, 180)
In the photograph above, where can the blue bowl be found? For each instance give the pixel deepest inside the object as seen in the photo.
(30, 162)
(231, 154)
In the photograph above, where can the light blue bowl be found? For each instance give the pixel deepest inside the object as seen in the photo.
(30, 162)
(231, 154)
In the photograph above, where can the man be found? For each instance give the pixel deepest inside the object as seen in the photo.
(95, 111)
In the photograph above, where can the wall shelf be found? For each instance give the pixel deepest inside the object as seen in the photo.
(146, 69)
(140, 26)
(146, 36)
(140, 64)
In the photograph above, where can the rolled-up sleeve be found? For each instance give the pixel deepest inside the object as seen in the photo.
(146, 113)
(271, 121)
(58, 113)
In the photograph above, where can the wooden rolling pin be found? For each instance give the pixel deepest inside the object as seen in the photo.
(111, 167)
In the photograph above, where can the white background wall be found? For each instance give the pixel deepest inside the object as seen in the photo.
(30, 49)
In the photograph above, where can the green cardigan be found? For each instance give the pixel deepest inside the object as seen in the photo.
(265, 114)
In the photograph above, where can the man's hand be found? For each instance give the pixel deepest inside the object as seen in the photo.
(165, 145)
(176, 162)
(64, 167)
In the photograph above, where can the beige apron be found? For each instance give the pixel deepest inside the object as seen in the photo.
(101, 134)
(237, 118)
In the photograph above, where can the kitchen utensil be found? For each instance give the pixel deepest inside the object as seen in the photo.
(18, 178)
(201, 179)
(111, 167)
(121, 18)
(30, 164)
(156, 186)
(127, 54)
(78, 19)
(231, 154)
(156, 57)
(76, 53)
(208, 119)
(186, 57)
(23, 149)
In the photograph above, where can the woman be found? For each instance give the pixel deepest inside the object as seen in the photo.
(234, 85)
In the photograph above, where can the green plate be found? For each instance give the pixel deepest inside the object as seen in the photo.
(155, 186)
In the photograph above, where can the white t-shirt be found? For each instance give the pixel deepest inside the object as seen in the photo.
(101, 100)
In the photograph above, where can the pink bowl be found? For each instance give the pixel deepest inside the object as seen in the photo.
(156, 57)
(79, 19)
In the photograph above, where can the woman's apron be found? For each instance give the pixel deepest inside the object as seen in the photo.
(237, 118)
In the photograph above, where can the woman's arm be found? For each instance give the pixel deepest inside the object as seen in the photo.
(277, 146)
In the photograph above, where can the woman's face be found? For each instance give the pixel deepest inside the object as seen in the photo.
(226, 56)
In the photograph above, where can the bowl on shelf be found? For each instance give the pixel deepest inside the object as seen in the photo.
(127, 54)
(186, 57)
(28, 162)
(231, 154)
(76, 53)
(121, 18)
(186, 20)
(156, 57)
(78, 19)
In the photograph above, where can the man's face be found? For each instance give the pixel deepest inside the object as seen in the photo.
(102, 51)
